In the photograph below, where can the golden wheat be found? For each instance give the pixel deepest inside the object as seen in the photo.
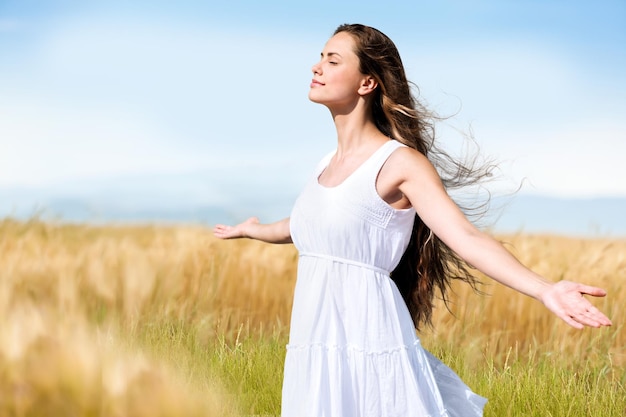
(75, 299)
(503, 319)
(70, 297)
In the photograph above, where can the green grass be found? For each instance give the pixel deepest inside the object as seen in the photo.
(249, 367)
(253, 368)
(536, 384)
(528, 383)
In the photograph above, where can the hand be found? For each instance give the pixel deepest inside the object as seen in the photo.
(234, 232)
(565, 299)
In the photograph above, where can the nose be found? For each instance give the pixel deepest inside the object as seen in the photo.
(317, 69)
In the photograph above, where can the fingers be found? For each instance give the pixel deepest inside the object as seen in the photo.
(234, 232)
(587, 315)
(581, 288)
(587, 320)
(598, 317)
(567, 300)
(218, 231)
(595, 291)
(569, 320)
(224, 232)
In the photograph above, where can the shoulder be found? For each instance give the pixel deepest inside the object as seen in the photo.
(407, 168)
(406, 162)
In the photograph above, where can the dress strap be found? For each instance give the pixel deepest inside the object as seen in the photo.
(323, 163)
(380, 157)
(370, 170)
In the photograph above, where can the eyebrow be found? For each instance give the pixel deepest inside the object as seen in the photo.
(329, 54)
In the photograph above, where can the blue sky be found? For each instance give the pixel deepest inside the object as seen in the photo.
(101, 95)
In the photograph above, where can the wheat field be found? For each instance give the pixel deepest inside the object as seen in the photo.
(166, 320)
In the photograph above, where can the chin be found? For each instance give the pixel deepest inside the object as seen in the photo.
(314, 98)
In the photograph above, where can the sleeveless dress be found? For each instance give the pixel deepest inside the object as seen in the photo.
(353, 350)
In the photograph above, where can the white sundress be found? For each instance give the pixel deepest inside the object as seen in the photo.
(353, 350)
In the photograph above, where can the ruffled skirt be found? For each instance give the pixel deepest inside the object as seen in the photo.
(325, 381)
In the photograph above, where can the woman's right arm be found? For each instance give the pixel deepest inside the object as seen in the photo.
(277, 232)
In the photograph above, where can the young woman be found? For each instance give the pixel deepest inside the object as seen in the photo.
(377, 233)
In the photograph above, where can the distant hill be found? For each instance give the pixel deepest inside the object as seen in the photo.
(182, 200)
(570, 216)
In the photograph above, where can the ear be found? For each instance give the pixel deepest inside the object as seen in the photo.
(368, 85)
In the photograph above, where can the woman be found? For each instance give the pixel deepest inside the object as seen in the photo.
(353, 350)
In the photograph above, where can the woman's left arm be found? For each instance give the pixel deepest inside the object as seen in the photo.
(421, 184)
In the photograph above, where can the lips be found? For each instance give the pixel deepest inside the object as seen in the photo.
(315, 83)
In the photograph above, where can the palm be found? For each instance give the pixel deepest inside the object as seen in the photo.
(233, 232)
(566, 300)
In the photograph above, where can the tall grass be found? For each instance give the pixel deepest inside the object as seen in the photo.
(169, 321)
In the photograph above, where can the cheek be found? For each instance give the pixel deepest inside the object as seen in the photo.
(346, 83)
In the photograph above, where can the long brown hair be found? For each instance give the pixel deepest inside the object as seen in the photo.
(428, 264)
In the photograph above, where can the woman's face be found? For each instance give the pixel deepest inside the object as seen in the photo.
(336, 77)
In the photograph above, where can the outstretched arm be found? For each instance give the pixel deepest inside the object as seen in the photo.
(421, 184)
(277, 232)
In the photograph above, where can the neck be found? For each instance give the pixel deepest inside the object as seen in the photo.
(356, 130)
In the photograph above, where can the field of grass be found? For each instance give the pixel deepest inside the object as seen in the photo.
(168, 321)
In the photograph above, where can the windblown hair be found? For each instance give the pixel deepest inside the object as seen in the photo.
(428, 265)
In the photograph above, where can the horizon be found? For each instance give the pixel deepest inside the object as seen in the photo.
(581, 217)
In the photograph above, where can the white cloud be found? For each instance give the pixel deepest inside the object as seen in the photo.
(114, 98)
(549, 121)
(524, 83)
(584, 160)
(107, 101)
(42, 145)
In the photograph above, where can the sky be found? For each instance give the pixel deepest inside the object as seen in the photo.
(97, 96)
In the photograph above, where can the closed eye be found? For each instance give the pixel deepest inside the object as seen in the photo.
(331, 56)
